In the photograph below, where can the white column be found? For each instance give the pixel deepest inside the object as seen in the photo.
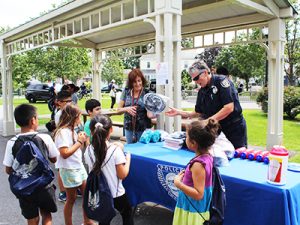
(8, 115)
(168, 34)
(177, 70)
(159, 58)
(275, 82)
(168, 58)
(96, 74)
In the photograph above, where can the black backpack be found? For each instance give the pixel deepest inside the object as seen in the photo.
(218, 201)
(31, 169)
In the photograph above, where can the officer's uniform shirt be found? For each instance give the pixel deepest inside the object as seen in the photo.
(212, 98)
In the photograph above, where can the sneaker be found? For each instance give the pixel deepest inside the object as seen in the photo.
(62, 196)
(79, 194)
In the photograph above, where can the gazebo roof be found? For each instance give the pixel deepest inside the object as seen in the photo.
(122, 21)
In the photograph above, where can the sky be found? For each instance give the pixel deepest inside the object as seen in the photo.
(16, 12)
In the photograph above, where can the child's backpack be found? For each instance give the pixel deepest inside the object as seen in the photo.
(218, 201)
(31, 169)
(98, 202)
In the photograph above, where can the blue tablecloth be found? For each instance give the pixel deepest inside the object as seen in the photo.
(250, 199)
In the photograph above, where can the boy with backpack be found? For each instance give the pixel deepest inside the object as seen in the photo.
(26, 163)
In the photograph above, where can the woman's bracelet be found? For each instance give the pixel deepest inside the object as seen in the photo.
(79, 142)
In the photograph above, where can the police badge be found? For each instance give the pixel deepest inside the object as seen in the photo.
(225, 83)
(214, 89)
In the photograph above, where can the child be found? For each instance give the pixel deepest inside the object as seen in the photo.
(63, 98)
(110, 159)
(195, 183)
(93, 108)
(42, 200)
(69, 163)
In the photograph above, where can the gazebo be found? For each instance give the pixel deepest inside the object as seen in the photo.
(135, 26)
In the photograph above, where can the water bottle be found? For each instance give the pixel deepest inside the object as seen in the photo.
(277, 170)
(244, 155)
(260, 157)
(238, 152)
(254, 154)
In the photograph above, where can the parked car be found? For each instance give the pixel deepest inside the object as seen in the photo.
(105, 89)
(38, 92)
(254, 87)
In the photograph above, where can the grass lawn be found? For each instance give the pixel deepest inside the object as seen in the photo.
(257, 130)
(256, 124)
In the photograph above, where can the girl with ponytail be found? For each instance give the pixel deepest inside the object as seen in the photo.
(101, 155)
(195, 182)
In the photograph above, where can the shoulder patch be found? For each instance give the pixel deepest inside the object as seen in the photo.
(225, 83)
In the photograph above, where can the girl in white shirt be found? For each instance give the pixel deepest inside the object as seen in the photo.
(111, 160)
(69, 163)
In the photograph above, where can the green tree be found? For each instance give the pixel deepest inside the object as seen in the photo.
(64, 62)
(49, 63)
(131, 62)
(113, 69)
(187, 42)
(209, 55)
(185, 79)
(292, 47)
(244, 61)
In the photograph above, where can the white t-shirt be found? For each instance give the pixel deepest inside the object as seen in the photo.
(57, 117)
(64, 139)
(9, 158)
(109, 170)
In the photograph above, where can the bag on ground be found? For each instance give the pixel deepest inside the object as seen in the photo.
(31, 169)
(98, 201)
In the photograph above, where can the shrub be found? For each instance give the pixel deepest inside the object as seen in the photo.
(262, 99)
(291, 101)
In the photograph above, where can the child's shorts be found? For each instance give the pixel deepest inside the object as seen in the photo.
(72, 177)
(44, 199)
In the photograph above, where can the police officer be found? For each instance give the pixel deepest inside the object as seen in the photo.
(216, 99)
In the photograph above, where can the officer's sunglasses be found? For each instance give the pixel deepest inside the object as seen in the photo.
(199, 74)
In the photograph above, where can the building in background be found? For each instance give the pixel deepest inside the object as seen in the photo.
(148, 62)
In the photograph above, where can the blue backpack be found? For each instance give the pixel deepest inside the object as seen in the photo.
(31, 169)
(98, 202)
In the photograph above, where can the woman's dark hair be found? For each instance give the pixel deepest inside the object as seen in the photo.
(100, 126)
(62, 95)
(133, 75)
(204, 133)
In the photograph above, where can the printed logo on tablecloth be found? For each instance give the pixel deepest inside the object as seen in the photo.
(166, 174)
